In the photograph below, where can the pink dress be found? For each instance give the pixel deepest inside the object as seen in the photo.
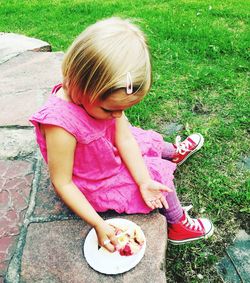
(98, 170)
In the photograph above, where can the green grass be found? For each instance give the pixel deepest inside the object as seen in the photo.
(200, 52)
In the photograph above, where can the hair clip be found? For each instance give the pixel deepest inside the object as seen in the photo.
(129, 87)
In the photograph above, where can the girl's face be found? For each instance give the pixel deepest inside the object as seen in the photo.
(112, 106)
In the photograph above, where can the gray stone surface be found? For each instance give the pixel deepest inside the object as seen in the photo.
(12, 44)
(227, 271)
(30, 70)
(25, 82)
(239, 253)
(17, 108)
(53, 253)
(15, 184)
(245, 163)
(16, 143)
(172, 128)
(235, 267)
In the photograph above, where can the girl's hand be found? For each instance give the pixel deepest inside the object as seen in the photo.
(106, 232)
(151, 194)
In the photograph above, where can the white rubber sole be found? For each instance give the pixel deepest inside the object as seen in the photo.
(196, 149)
(209, 234)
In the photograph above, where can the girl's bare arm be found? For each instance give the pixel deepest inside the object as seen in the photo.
(132, 157)
(130, 151)
(60, 151)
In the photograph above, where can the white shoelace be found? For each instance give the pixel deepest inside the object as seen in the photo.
(190, 222)
(181, 147)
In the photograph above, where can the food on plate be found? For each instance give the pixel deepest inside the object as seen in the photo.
(130, 240)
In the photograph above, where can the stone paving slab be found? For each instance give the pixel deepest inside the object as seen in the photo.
(171, 128)
(30, 70)
(14, 112)
(53, 253)
(16, 143)
(12, 44)
(15, 185)
(235, 267)
(244, 163)
(239, 253)
(228, 272)
(25, 82)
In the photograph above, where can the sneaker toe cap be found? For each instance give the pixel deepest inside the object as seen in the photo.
(208, 227)
(196, 138)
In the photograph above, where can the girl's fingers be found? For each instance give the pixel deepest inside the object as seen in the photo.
(165, 189)
(161, 187)
(114, 240)
(164, 202)
(109, 247)
(158, 203)
(150, 204)
(154, 185)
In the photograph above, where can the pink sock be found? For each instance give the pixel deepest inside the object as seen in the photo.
(174, 213)
(168, 151)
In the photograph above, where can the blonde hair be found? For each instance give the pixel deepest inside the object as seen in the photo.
(99, 60)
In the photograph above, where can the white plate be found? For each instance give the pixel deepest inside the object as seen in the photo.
(110, 263)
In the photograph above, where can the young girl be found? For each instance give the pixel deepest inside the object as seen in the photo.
(97, 160)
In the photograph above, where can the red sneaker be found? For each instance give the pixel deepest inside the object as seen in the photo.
(186, 148)
(189, 229)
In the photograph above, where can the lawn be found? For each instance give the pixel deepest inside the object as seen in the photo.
(200, 52)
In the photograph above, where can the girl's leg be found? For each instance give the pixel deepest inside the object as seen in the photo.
(174, 213)
(168, 151)
(181, 227)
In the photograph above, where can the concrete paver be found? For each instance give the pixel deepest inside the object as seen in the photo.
(245, 163)
(15, 186)
(30, 70)
(171, 128)
(235, 266)
(16, 143)
(53, 253)
(15, 112)
(12, 44)
(25, 82)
